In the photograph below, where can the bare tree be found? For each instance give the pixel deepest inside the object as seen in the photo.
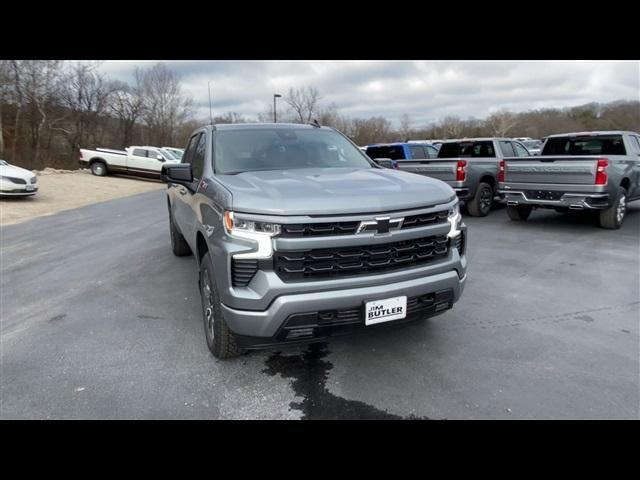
(5, 90)
(165, 106)
(405, 127)
(451, 126)
(500, 123)
(127, 104)
(304, 102)
(85, 96)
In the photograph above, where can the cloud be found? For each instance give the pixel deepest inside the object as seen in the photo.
(426, 90)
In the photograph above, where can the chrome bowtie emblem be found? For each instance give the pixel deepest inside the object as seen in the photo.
(380, 226)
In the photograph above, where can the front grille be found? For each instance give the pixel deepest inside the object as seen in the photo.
(19, 181)
(423, 219)
(242, 271)
(359, 260)
(349, 228)
(330, 322)
(319, 229)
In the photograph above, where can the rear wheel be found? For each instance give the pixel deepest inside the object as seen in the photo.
(99, 169)
(612, 217)
(519, 213)
(220, 339)
(480, 204)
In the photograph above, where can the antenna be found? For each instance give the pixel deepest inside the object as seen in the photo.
(210, 112)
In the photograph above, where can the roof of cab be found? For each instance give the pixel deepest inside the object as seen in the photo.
(263, 126)
(599, 132)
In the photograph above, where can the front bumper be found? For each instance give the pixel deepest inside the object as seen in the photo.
(17, 190)
(315, 316)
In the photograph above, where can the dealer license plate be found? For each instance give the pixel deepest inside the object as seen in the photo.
(385, 310)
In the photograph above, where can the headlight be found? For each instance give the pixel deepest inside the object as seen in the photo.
(455, 210)
(260, 232)
(234, 223)
(454, 219)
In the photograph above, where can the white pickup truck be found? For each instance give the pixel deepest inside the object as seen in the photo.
(139, 161)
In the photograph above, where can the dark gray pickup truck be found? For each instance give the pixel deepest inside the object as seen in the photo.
(469, 166)
(298, 235)
(590, 171)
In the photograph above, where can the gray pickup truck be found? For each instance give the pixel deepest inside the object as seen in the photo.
(469, 166)
(591, 171)
(298, 236)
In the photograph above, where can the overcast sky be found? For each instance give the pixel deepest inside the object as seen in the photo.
(426, 90)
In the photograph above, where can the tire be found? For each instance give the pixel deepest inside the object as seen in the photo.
(480, 204)
(613, 217)
(220, 339)
(179, 245)
(519, 213)
(99, 168)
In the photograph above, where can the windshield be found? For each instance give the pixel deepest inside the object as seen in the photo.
(250, 150)
(482, 148)
(3, 162)
(585, 145)
(168, 154)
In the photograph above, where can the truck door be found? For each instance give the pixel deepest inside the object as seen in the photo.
(185, 216)
(634, 154)
(139, 161)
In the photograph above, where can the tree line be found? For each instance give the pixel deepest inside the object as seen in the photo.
(50, 108)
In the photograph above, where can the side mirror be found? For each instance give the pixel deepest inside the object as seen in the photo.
(386, 163)
(160, 158)
(178, 173)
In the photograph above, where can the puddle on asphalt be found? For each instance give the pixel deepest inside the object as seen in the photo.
(309, 372)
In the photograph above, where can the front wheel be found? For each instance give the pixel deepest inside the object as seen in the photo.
(519, 213)
(612, 217)
(99, 169)
(220, 340)
(480, 204)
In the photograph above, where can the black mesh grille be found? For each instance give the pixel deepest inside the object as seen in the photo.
(242, 271)
(348, 261)
(313, 324)
(459, 243)
(319, 229)
(20, 181)
(423, 219)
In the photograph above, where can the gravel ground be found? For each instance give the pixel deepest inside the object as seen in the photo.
(74, 188)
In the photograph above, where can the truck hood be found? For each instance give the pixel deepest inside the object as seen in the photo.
(333, 191)
(13, 171)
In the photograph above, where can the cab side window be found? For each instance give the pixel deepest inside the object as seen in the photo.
(188, 153)
(507, 149)
(521, 151)
(417, 152)
(197, 161)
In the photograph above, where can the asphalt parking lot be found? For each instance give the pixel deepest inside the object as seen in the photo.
(100, 320)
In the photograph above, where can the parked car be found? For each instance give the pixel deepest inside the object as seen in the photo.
(16, 181)
(533, 146)
(299, 236)
(470, 167)
(177, 152)
(402, 151)
(593, 171)
(139, 161)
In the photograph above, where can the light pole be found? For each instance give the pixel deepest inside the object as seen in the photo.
(275, 95)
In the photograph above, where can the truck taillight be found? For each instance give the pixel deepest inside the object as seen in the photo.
(80, 155)
(601, 171)
(461, 171)
(501, 171)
